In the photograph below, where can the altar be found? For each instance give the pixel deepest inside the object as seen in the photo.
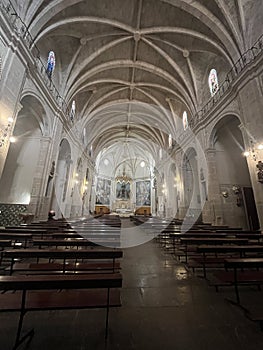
(125, 213)
(123, 208)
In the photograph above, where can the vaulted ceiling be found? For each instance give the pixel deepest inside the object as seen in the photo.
(137, 64)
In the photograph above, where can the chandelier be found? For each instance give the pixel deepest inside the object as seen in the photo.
(123, 177)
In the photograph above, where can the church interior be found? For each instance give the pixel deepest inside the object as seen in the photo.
(131, 174)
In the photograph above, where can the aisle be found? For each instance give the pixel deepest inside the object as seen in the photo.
(163, 308)
(132, 235)
(166, 307)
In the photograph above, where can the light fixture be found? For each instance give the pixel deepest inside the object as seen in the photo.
(5, 132)
(225, 194)
(254, 152)
(246, 154)
(123, 177)
(12, 139)
(236, 189)
(142, 164)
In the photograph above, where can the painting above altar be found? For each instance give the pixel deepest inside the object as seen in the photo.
(123, 190)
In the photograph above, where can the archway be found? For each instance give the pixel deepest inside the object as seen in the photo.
(172, 195)
(60, 195)
(238, 203)
(192, 197)
(23, 155)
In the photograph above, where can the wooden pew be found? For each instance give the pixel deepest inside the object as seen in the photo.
(77, 242)
(4, 243)
(255, 277)
(213, 241)
(61, 254)
(63, 235)
(22, 238)
(242, 250)
(34, 232)
(176, 237)
(40, 293)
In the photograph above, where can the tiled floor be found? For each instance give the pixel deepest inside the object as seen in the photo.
(163, 307)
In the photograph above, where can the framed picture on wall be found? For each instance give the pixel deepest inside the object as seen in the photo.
(143, 193)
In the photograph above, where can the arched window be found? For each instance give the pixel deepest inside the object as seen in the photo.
(213, 82)
(73, 111)
(170, 141)
(185, 120)
(0, 67)
(51, 61)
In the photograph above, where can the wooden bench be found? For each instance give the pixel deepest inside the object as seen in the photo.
(254, 277)
(65, 255)
(78, 242)
(4, 243)
(85, 235)
(210, 241)
(214, 250)
(41, 293)
(176, 237)
(22, 238)
(66, 268)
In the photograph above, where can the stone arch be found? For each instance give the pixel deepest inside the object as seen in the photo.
(172, 194)
(23, 155)
(233, 174)
(220, 122)
(44, 121)
(191, 186)
(61, 193)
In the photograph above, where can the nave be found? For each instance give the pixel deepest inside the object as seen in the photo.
(164, 305)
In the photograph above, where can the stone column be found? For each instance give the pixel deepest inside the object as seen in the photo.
(39, 181)
(212, 211)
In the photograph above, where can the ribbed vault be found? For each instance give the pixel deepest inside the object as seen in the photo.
(138, 53)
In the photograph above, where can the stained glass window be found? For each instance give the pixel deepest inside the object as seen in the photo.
(170, 141)
(73, 111)
(0, 67)
(213, 82)
(185, 120)
(51, 61)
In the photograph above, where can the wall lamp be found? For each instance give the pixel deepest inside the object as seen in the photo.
(225, 194)
(253, 152)
(5, 133)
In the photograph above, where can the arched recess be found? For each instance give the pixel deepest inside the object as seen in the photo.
(59, 201)
(172, 194)
(77, 190)
(238, 204)
(192, 197)
(23, 156)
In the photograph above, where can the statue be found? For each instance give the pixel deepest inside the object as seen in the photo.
(260, 171)
(50, 177)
